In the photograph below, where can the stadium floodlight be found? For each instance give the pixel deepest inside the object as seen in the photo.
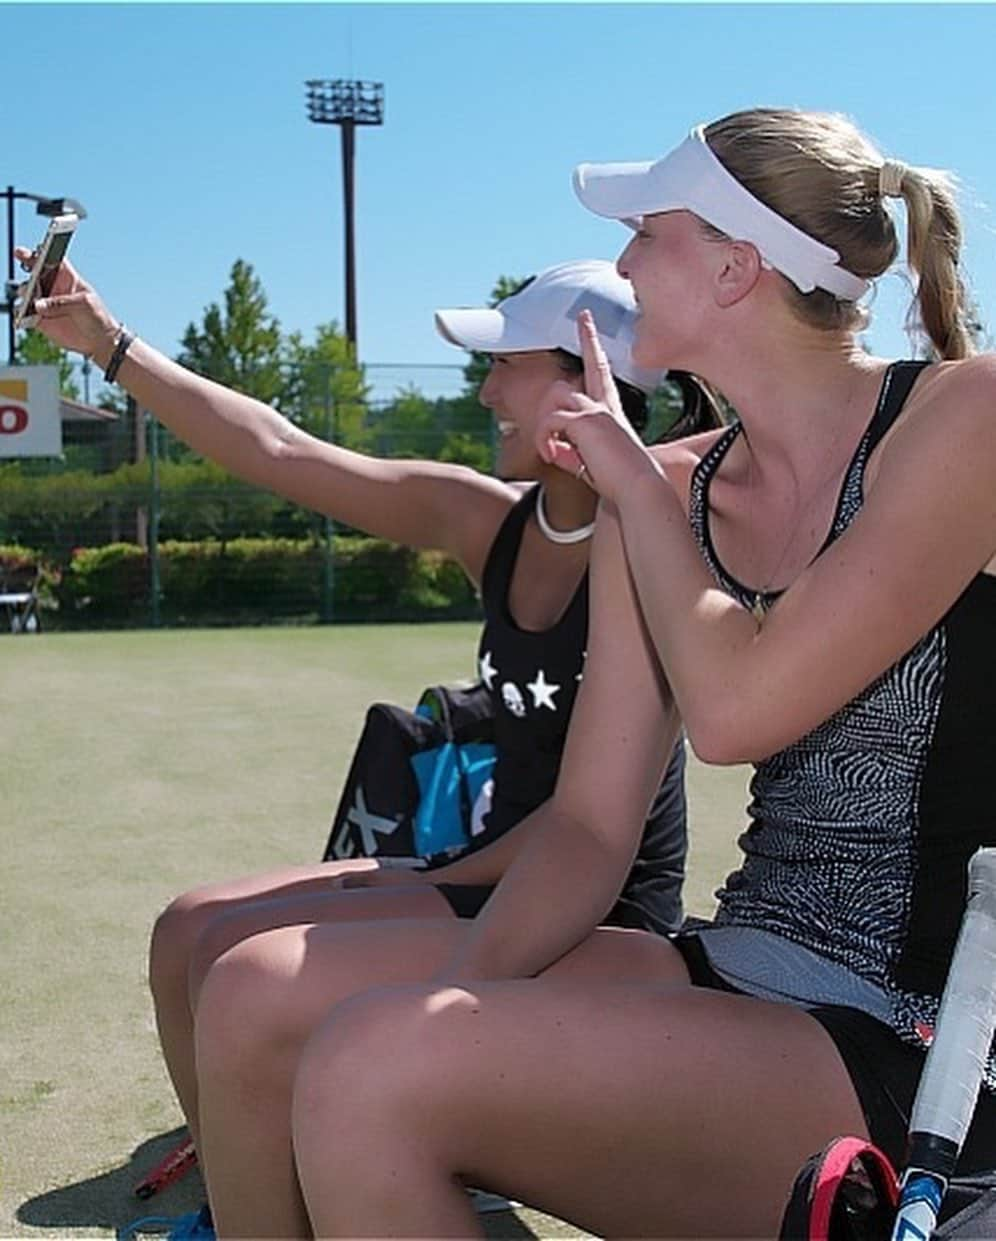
(347, 103)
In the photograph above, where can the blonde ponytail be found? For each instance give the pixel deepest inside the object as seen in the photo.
(933, 243)
(820, 172)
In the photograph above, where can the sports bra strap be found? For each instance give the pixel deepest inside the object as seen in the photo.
(898, 384)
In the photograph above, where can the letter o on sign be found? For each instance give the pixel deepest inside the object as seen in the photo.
(13, 419)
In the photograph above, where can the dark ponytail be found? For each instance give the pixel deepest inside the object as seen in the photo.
(701, 409)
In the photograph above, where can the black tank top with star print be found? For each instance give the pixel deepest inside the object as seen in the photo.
(533, 677)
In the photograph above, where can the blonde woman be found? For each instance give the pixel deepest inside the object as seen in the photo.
(811, 591)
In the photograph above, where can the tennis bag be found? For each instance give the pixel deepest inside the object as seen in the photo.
(420, 781)
(849, 1192)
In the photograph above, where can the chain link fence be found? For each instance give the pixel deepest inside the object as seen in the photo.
(130, 528)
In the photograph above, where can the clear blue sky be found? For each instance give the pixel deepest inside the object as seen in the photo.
(183, 130)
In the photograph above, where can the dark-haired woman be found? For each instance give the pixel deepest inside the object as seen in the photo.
(279, 949)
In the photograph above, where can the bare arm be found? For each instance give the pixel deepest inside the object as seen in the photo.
(580, 844)
(927, 527)
(420, 503)
(487, 865)
(484, 867)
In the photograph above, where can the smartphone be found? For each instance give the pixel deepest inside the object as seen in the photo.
(49, 255)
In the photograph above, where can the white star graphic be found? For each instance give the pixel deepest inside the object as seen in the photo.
(542, 691)
(487, 669)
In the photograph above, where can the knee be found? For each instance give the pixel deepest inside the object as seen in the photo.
(642, 956)
(174, 935)
(246, 1014)
(214, 937)
(379, 1054)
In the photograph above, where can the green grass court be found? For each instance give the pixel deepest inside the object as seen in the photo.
(136, 765)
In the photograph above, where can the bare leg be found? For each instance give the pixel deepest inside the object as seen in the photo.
(606, 1105)
(201, 924)
(263, 999)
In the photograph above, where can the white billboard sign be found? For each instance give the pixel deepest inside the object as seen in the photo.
(30, 424)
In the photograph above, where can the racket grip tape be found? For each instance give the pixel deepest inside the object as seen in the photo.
(956, 1061)
(952, 1074)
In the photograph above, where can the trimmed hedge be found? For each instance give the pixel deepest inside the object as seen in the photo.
(17, 559)
(260, 580)
(75, 508)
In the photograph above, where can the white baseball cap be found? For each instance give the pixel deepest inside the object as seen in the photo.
(544, 315)
(692, 178)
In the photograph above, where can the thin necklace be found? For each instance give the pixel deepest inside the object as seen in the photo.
(758, 608)
(577, 535)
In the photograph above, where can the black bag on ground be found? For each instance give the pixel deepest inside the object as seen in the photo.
(849, 1192)
(419, 780)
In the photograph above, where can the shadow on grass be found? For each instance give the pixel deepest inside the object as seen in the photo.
(108, 1200)
(506, 1226)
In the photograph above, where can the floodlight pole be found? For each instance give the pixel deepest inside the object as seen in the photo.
(348, 130)
(44, 206)
(347, 104)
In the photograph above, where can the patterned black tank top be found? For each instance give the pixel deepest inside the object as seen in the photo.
(861, 830)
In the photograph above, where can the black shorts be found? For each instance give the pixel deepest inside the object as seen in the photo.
(467, 900)
(883, 1069)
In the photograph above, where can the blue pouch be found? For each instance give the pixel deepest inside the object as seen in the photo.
(454, 784)
(419, 782)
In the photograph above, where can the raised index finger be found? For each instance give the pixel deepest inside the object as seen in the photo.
(598, 381)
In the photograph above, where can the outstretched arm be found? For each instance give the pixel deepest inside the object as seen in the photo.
(580, 845)
(421, 503)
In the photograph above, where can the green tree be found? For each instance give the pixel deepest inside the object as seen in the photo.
(199, 498)
(324, 390)
(34, 349)
(408, 427)
(453, 429)
(241, 345)
(476, 370)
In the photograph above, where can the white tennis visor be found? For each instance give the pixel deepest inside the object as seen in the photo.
(692, 178)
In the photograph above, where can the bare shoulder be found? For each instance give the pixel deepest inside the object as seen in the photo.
(475, 505)
(468, 485)
(951, 409)
(679, 458)
(485, 501)
(969, 385)
(945, 439)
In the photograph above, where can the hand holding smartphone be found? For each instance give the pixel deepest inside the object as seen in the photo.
(49, 255)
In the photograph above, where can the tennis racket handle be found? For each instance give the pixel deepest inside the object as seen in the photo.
(919, 1205)
(952, 1074)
